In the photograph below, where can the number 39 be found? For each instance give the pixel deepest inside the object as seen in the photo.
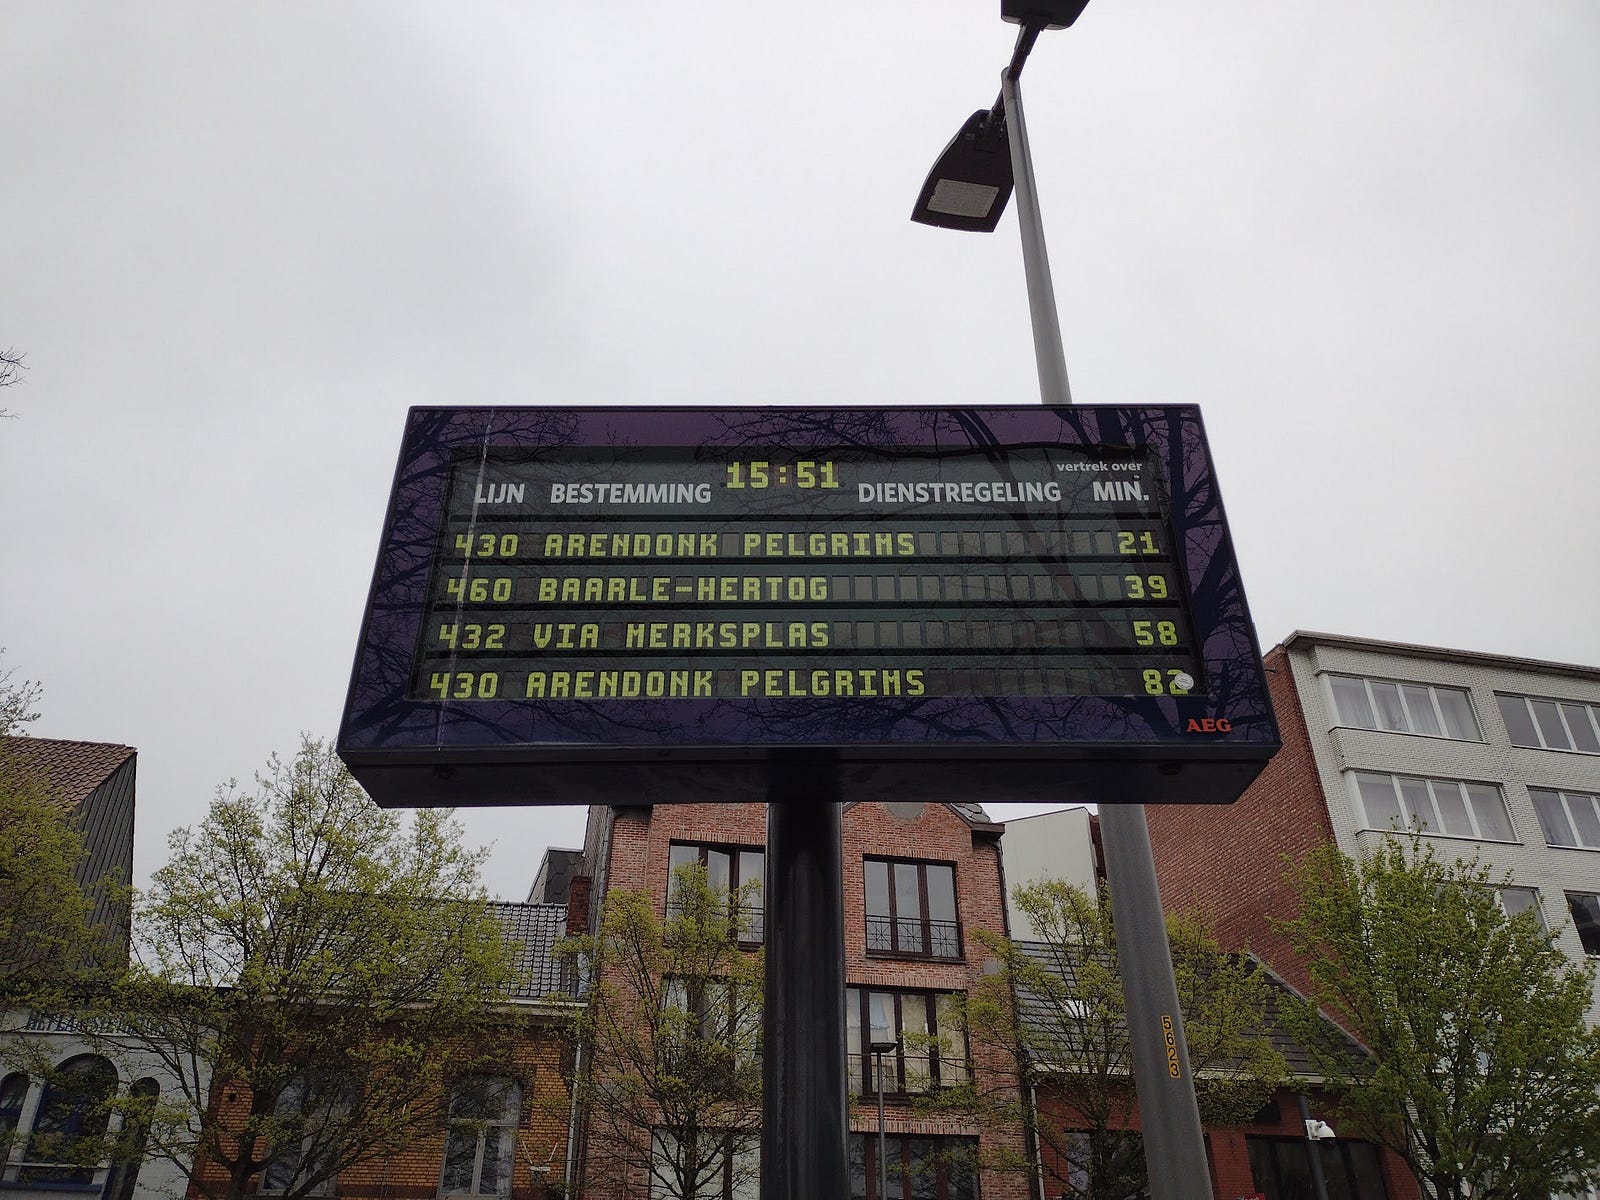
(1138, 587)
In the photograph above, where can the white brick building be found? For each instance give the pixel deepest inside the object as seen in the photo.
(1490, 756)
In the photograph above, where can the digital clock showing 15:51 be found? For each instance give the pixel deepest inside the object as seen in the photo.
(759, 473)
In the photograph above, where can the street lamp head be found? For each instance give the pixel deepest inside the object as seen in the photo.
(970, 184)
(1042, 14)
(888, 1046)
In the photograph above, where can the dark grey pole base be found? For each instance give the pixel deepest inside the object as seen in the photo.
(1174, 1145)
(804, 1115)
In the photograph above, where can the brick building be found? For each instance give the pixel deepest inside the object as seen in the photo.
(918, 879)
(1267, 1156)
(1487, 755)
(502, 1135)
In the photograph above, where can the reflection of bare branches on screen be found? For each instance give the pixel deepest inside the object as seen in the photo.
(1034, 598)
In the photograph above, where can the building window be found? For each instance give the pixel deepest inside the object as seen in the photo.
(722, 1166)
(1514, 900)
(1567, 818)
(930, 1044)
(919, 1168)
(68, 1124)
(1404, 707)
(911, 909)
(306, 1157)
(1281, 1168)
(1441, 806)
(135, 1140)
(1585, 909)
(1551, 724)
(1122, 1160)
(482, 1127)
(13, 1092)
(712, 1012)
(737, 870)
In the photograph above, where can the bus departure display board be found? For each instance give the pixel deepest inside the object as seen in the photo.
(1005, 603)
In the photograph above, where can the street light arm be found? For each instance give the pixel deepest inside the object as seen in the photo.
(1026, 37)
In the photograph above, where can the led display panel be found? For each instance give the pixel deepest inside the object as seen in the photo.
(1006, 603)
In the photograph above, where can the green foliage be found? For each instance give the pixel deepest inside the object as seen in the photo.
(17, 701)
(310, 971)
(671, 1036)
(1053, 1015)
(44, 914)
(45, 936)
(1483, 1072)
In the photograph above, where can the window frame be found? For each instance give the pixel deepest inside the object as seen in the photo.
(1578, 926)
(1537, 907)
(19, 1166)
(926, 923)
(1404, 807)
(728, 1148)
(934, 1059)
(719, 997)
(479, 1128)
(900, 1156)
(1564, 799)
(1590, 707)
(754, 916)
(1343, 1146)
(328, 1103)
(1432, 689)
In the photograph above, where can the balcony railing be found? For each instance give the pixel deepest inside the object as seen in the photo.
(910, 935)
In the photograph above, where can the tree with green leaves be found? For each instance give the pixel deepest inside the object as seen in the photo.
(1053, 1017)
(667, 1066)
(1484, 1074)
(45, 933)
(312, 973)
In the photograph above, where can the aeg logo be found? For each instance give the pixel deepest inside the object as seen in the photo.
(1209, 725)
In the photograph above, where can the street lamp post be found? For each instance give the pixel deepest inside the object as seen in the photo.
(968, 189)
(879, 1049)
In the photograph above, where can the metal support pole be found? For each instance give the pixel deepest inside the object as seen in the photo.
(1047, 349)
(1174, 1145)
(1319, 1182)
(883, 1162)
(803, 1076)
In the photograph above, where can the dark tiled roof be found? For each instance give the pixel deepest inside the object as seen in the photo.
(1060, 961)
(968, 810)
(534, 929)
(555, 874)
(973, 812)
(71, 770)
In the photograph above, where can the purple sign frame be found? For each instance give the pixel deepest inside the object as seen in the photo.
(1201, 747)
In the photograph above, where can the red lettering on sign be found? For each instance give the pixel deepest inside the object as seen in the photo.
(1209, 725)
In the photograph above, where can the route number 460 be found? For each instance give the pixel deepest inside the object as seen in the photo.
(478, 589)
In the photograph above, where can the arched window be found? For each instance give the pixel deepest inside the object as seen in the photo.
(13, 1093)
(135, 1136)
(69, 1131)
(483, 1124)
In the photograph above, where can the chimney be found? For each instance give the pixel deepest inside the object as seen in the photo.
(578, 906)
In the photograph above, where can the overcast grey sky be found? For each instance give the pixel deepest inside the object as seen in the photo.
(238, 241)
